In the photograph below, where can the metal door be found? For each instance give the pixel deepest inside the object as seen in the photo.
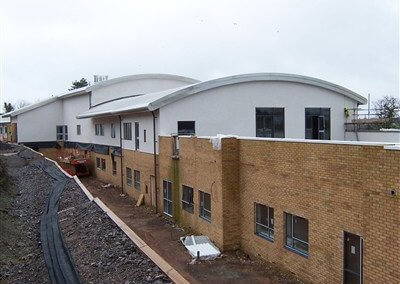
(353, 255)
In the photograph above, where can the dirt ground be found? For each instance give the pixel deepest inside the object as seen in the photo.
(162, 235)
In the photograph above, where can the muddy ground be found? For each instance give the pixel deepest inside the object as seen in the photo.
(162, 235)
(100, 250)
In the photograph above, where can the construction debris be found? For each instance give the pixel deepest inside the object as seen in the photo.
(200, 247)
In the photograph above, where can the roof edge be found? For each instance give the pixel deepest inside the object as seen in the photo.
(254, 77)
(141, 76)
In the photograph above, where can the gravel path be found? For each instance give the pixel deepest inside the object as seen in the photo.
(101, 252)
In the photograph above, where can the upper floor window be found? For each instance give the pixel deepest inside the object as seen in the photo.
(187, 198)
(186, 128)
(62, 132)
(78, 129)
(270, 122)
(112, 130)
(318, 123)
(99, 129)
(264, 221)
(297, 233)
(136, 135)
(144, 135)
(205, 205)
(127, 131)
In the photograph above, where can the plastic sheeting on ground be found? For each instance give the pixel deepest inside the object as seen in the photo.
(200, 247)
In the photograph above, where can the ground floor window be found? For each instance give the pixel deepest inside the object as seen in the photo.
(114, 167)
(167, 197)
(264, 221)
(136, 179)
(103, 164)
(205, 205)
(187, 199)
(98, 163)
(297, 233)
(129, 176)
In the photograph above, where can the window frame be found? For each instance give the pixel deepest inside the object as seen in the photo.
(144, 136)
(103, 164)
(98, 163)
(137, 136)
(268, 227)
(292, 247)
(98, 129)
(63, 135)
(112, 132)
(321, 114)
(78, 129)
(166, 200)
(127, 126)
(186, 132)
(114, 167)
(202, 194)
(136, 179)
(187, 205)
(274, 113)
(129, 177)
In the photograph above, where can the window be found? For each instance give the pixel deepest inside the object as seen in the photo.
(264, 221)
(144, 135)
(112, 130)
(136, 135)
(114, 168)
(167, 197)
(99, 129)
(318, 123)
(98, 163)
(62, 132)
(270, 122)
(129, 176)
(186, 128)
(78, 129)
(205, 205)
(128, 131)
(103, 164)
(136, 179)
(297, 234)
(187, 199)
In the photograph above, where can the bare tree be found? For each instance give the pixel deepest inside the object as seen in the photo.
(387, 109)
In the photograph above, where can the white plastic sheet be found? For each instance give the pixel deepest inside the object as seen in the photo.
(200, 247)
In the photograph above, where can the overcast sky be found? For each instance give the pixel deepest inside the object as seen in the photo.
(46, 44)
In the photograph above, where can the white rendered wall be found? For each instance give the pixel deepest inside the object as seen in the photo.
(374, 136)
(134, 87)
(106, 139)
(39, 125)
(145, 123)
(73, 106)
(231, 109)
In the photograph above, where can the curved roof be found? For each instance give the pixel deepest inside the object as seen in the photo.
(153, 101)
(139, 77)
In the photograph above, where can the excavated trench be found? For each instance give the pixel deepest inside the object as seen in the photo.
(77, 241)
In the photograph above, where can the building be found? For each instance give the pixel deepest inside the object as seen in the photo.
(289, 164)
(4, 123)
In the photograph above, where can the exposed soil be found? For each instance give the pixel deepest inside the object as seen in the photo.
(162, 235)
(22, 204)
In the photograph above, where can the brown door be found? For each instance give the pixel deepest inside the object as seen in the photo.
(353, 254)
(153, 190)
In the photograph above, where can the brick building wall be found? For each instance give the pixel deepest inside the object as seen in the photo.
(335, 187)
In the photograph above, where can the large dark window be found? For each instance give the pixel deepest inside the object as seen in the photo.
(136, 135)
(264, 221)
(62, 132)
(270, 122)
(297, 233)
(187, 198)
(205, 205)
(186, 128)
(318, 123)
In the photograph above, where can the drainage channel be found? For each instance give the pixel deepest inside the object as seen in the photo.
(58, 260)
